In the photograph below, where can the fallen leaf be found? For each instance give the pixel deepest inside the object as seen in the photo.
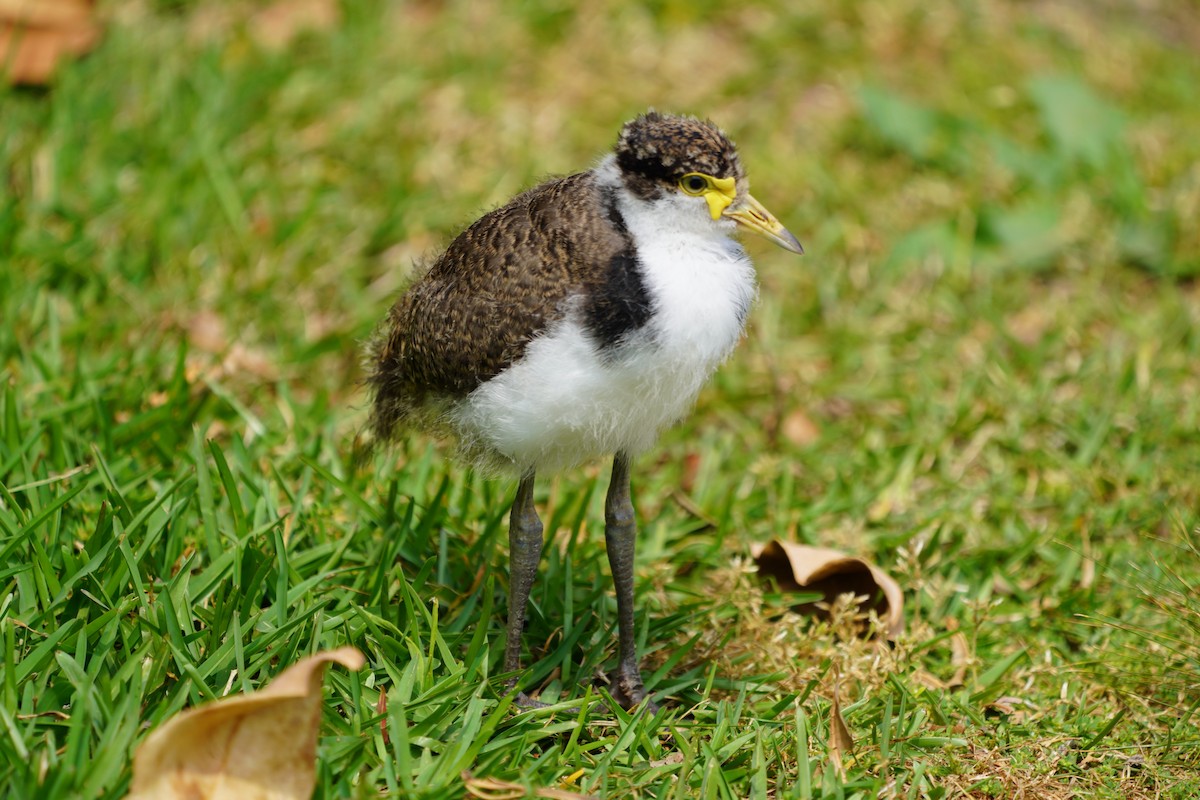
(927, 679)
(1004, 705)
(279, 23)
(840, 740)
(832, 573)
(45, 12)
(1016, 710)
(257, 746)
(35, 35)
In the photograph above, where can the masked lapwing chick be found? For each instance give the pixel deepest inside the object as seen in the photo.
(579, 321)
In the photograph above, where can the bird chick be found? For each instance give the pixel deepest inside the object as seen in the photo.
(578, 321)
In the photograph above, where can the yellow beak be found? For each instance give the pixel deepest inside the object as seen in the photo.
(751, 214)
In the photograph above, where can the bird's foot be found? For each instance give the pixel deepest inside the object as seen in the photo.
(629, 692)
(527, 703)
(524, 702)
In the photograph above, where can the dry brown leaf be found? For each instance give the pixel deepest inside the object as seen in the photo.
(927, 679)
(831, 573)
(257, 746)
(1004, 705)
(840, 740)
(35, 35)
(279, 23)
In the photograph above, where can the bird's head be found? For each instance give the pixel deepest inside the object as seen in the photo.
(691, 163)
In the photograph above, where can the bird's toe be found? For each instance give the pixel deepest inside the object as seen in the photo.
(629, 692)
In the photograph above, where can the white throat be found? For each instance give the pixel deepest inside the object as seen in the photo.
(700, 278)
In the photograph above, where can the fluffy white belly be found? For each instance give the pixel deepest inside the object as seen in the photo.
(566, 401)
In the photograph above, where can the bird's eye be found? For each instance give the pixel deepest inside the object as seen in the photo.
(693, 183)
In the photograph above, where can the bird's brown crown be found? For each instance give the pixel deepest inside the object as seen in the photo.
(657, 149)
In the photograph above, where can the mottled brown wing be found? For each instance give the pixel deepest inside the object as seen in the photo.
(500, 283)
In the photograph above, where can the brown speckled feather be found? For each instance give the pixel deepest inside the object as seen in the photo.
(655, 150)
(515, 272)
(500, 283)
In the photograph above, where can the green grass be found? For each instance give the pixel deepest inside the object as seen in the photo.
(994, 333)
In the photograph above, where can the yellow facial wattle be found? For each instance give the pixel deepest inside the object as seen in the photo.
(721, 196)
(719, 193)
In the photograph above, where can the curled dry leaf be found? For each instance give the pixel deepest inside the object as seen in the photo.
(35, 35)
(1016, 708)
(257, 746)
(840, 740)
(831, 572)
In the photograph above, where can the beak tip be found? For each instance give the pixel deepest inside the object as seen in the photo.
(790, 242)
(754, 217)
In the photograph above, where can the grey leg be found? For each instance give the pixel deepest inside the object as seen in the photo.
(524, 553)
(620, 536)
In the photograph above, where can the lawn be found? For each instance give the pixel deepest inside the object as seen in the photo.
(984, 376)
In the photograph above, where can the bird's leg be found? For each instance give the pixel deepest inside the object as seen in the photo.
(620, 535)
(524, 553)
